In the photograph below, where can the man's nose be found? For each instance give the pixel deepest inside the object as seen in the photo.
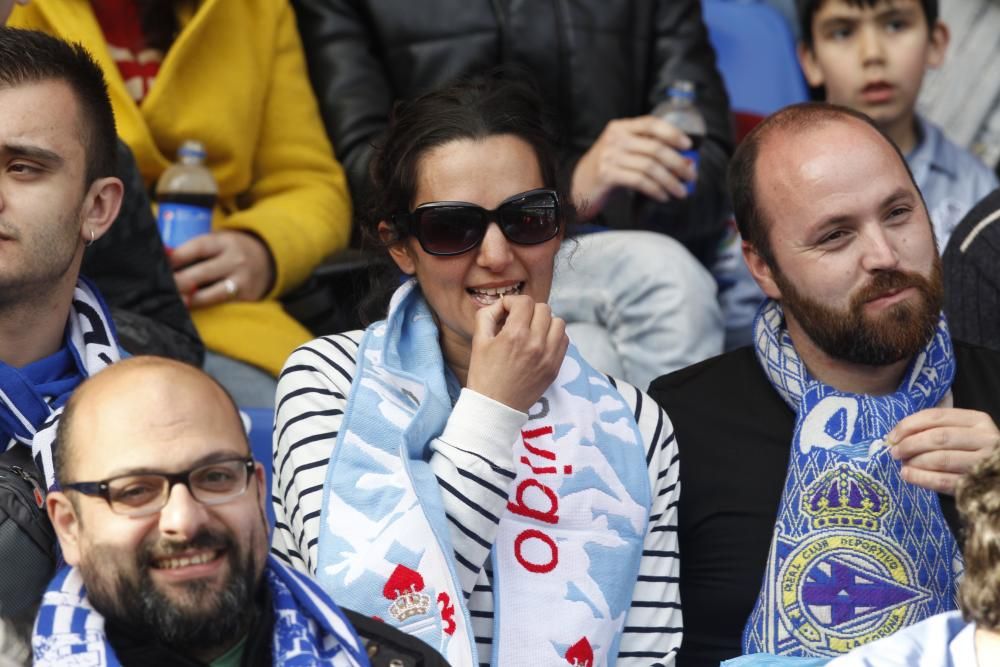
(494, 252)
(182, 517)
(880, 253)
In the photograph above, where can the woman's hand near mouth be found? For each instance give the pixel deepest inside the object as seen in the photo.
(517, 350)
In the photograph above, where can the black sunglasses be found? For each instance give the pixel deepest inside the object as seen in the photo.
(454, 227)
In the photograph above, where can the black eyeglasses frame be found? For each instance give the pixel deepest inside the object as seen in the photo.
(102, 488)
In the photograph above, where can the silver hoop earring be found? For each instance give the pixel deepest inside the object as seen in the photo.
(92, 238)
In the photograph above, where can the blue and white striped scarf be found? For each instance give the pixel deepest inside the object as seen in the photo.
(90, 345)
(309, 629)
(567, 550)
(857, 552)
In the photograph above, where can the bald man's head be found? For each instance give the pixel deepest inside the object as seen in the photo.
(790, 124)
(162, 507)
(151, 394)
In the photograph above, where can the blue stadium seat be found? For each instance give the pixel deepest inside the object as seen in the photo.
(755, 51)
(261, 425)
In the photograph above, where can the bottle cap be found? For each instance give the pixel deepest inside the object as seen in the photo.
(192, 148)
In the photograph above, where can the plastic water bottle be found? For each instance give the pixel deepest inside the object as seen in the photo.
(186, 194)
(679, 110)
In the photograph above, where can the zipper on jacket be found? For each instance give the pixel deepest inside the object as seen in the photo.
(39, 495)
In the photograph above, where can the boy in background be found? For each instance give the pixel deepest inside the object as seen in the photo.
(871, 55)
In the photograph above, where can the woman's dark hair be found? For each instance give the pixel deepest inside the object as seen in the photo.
(475, 108)
(499, 102)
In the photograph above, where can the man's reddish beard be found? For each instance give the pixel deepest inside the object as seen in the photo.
(850, 335)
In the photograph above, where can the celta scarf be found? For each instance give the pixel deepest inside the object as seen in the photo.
(308, 628)
(567, 550)
(857, 552)
(90, 345)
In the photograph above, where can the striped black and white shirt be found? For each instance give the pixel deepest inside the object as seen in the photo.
(472, 459)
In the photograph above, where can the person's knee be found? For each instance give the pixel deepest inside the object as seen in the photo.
(249, 386)
(645, 256)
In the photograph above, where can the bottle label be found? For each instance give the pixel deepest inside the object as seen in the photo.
(692, 155)
(179, 223)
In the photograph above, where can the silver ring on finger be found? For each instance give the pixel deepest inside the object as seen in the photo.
(232, 289)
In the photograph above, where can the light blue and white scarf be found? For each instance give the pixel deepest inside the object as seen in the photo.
(567, 551)
(857, 553)
(30, 407)
(308, 628)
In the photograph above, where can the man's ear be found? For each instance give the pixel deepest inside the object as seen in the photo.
(939, 38)
(398, 250)
(64, 519)
(761, 271)
(261, 481)
(100, 207)
(810, 66)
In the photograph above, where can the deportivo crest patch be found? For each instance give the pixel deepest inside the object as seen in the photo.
(849, 571)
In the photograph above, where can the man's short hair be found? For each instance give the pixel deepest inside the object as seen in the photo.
(807, 10)
(741, 178)
(60, 447)
(978, 502)
(29, 56)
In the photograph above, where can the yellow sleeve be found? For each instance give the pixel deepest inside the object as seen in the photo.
(298, 202)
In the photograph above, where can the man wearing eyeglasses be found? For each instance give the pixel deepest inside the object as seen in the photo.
(161, 518)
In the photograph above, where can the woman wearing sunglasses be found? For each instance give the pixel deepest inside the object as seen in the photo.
(457, 469)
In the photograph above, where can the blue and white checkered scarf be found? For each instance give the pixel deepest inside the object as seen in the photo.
(857, 552)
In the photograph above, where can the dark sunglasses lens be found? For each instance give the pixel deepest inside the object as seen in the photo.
(450, 230)
(531, 220)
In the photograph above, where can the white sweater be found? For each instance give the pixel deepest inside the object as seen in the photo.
(472, 459)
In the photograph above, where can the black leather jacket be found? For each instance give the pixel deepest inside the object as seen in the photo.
(134, 277)
(595, 61)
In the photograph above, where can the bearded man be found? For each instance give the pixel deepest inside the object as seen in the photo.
(818, 465)
(161, 516)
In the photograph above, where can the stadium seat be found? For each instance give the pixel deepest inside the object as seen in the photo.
(261, 425)
(755, 52)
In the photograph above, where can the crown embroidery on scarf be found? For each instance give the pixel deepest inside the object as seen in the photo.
(403, 588)
(846, 497)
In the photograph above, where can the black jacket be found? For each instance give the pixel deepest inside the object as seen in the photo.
(971, 280)
(133, 275)
(594, 61)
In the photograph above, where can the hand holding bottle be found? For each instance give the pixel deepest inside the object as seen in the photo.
(641, 154)
(222, 266)
(655, 155)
